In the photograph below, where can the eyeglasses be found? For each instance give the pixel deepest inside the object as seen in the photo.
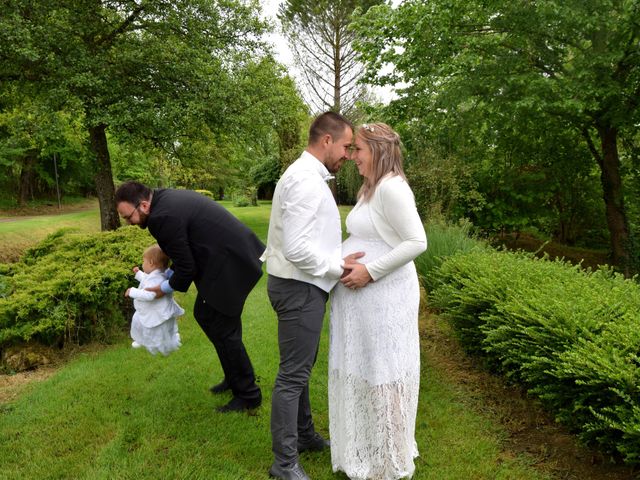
(128, 217)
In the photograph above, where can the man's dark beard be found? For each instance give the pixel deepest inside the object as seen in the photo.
(144, 219)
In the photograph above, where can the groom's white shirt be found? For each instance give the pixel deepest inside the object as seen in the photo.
(305, 235)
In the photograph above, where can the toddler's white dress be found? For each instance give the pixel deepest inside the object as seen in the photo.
(154, 324)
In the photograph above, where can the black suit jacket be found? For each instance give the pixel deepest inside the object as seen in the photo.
(208, 246)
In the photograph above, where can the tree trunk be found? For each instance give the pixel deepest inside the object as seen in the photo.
(336, 89)
(614, 200)
(26, 177)
(337, 72)
(103, 177)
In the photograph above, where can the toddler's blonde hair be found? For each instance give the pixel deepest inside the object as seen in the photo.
(156, 256)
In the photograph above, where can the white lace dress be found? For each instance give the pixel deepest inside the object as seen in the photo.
(374, 365)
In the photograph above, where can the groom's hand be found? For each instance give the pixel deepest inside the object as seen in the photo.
(350, 260)
(358, 277)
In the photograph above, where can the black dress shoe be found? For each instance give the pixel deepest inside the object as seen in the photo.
(314, 444)
(221, 387)
(239, 405)
(292, 473)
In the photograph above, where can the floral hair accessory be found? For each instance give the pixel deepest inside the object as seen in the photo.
(368, 127)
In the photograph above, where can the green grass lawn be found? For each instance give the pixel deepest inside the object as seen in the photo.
(16, 235)
(121, 413)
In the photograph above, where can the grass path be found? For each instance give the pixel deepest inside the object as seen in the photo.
(120, 413)
(17, 234)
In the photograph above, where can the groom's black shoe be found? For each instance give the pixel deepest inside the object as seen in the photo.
(221, 387)
(313, 444)
(239, 405)
(291, 473)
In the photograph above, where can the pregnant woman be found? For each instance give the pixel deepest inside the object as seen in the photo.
(374, 356)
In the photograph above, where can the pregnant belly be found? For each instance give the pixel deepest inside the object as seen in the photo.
(372, 248)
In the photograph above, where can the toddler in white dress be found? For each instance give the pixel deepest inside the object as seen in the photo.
(154, 324)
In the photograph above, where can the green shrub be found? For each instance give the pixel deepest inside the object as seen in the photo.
(241, 201)
(206, 193)
(69, 288)
(607, 370)
(572, 337)
(443, 240)
(243, 196)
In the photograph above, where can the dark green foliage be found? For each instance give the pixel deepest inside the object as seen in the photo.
(348, 183)
(572, 337)
(534, 103)
(70, 287)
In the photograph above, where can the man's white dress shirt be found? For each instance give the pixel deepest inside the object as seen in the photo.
(305, 235)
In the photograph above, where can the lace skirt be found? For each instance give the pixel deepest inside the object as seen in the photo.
(374, 372)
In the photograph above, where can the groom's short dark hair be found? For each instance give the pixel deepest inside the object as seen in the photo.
(329, 122)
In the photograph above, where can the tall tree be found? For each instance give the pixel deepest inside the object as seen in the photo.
(319, 35)
(578, 62)
(30, 135)
(140, 66)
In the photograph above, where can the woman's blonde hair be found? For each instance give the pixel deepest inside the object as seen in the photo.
(384, 144)
(156, 256)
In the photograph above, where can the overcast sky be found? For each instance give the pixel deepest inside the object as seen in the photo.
(269, 10)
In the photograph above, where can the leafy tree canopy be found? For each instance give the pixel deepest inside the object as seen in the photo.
(143, 67)
(490, 67)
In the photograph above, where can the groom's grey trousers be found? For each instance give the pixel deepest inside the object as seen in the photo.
(300, 307)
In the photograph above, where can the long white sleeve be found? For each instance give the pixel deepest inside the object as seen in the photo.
(140, 294)
(140, 276)
(396, 219)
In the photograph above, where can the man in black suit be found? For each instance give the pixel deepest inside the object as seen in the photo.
(211, 248)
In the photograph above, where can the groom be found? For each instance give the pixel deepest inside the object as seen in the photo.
(304, 261)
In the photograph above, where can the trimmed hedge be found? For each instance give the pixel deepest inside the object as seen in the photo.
(571, 337)
(70, 288)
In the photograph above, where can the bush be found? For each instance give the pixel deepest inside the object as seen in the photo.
(69, 288)
(244, 196)
(206, 193)
(443, 240)
(572, 337)
(241, 201)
